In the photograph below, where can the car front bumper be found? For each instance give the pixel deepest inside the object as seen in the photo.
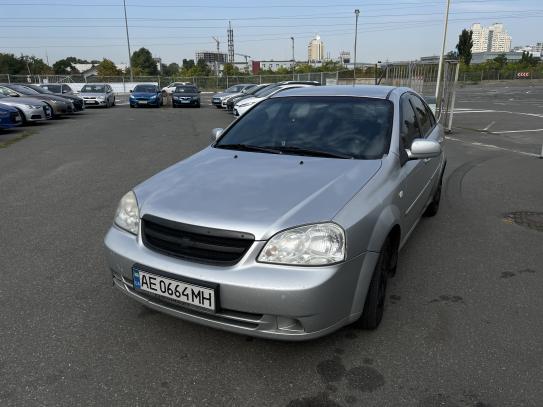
(144, 102)
(32, 115)
(257, 299)
(185, 102)
(95, 102)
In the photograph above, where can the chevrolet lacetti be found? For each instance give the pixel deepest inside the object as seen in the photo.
(289, 224)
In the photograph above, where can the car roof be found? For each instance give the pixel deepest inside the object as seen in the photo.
(373, 91)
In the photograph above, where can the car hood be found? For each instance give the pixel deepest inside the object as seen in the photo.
(251, 99)
(7, 108)
(257, 193)
(44, 97)
(21, 101)
(221, 94)
(143, 94)
(69, 97)
(91, 95)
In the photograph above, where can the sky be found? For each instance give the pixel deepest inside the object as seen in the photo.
(388, 30)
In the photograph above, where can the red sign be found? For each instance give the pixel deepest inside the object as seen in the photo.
(523, 74)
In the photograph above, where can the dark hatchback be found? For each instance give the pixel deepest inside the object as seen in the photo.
(186, 96)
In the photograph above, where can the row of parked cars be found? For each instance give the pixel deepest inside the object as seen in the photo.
(25, 103)
(240, 98)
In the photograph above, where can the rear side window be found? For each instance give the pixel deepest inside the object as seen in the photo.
(409, 127)
(422, 115)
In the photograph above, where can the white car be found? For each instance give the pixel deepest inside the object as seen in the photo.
(243, 105)
(171, 87)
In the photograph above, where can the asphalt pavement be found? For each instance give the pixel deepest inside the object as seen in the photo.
(463, 322)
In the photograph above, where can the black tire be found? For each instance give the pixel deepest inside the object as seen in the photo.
(113, 104)
(132, 106)
(198, 105)
(24, 122)
(433, 208)
(375, 298)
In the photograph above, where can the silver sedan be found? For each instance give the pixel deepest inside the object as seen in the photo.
(289, 225)
(31, 109)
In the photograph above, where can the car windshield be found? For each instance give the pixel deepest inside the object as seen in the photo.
(235, 89)
(266, 91)
(24, 90)
(93, 89)
(325, 125)
(52, 88)
(145, 88)
(186, 89)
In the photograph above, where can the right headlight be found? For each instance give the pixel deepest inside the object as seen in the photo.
(33, 106)
(127, 216)
(246, 104)
(311, 245)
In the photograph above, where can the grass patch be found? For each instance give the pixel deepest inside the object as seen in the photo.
(19, 137)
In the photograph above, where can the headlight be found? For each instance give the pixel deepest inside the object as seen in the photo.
(100, 98)
(175, 98)
(131, 96)
(312, 245)
(153, 97)
(246, 104)
(33, 106)
(127, 216)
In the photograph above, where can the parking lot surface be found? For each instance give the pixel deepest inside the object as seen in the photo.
(462, 325)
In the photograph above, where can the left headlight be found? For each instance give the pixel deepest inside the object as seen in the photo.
(127, 216)
(311, 245)
(33, 106)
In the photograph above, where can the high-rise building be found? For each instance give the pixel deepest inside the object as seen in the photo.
(490, 39)
(315, 50)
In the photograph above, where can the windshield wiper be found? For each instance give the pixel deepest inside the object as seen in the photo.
(248, 147)
(311, 151)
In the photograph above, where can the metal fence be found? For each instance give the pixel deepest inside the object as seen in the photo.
(205, 83)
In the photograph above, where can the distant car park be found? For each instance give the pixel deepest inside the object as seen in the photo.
(58, 105)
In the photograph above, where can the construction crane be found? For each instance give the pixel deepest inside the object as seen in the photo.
(246, 59)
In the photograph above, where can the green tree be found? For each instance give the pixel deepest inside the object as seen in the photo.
(188, 63)
(528, 59)
(11, 64)
(108, 68)
(202, 68)
(63, 67)
(143, 62)
(171, 69)
(500, 60)
(464, 46)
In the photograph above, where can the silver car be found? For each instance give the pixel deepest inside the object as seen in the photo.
(97, 94)
(289, 225)
(30, 109)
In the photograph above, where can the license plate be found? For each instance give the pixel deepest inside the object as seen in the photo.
(185, 101)
(142, 102)
(90, 101)
(186, 293)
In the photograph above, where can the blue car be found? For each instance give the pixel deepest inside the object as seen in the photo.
(9, 117)
(146, 95)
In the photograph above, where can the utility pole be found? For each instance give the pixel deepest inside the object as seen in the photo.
(128, 43)
(230, 33)
(293, 60)
(356, 13)
(217, 59)
(440, 67)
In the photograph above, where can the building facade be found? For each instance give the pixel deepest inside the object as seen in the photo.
(315, 50)
(490, 39)
(211, 57)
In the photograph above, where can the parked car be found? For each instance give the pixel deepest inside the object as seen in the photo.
(171, 87)
(319, 189)
(231, 101)
(9, 117)
(31, 110)
(216, 99)
(78, 103)
(245, 104)
(98, 94)
(224, 100)
(58, 105)
(146, 95)
(186, 96)
(58, 88)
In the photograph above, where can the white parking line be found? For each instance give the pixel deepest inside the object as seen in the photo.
(489, 126)
(493, 147)
(516, 131)
(459, 111)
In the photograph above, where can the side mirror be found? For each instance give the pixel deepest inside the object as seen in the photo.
(216, 133)
(131, 90)
(422, 149)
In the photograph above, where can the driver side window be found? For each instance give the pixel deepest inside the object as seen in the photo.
(409, 129)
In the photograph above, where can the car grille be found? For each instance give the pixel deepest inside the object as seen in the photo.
(196, 243)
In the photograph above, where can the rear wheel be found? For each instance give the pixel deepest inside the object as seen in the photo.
(375, 298)
(113, 104)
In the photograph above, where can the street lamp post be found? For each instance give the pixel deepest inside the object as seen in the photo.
(356, 13)
(440, 66)
(293, 60)
(128, 43)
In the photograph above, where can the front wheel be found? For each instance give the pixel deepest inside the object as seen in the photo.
(433, 207)
(375, 298)
(113, 104)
